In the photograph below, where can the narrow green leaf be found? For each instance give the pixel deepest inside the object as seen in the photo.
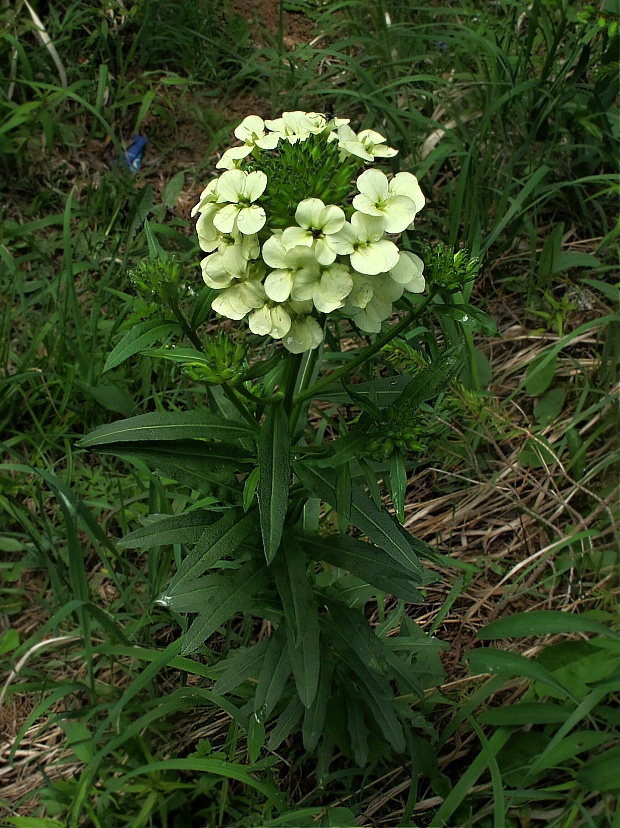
(211, 455)
(343, 496)
(162, 530)
(219, 540)
(218, 767)
(178, 425)
(240, 665)
(139, 337)
(356, 722)
(382, 709)
(295, 590)
(543, 622)
(197, 595)
(368, 562)
(485, 660)
(273, 676)
(314, 716)
(274, 464)
(305, 658)
(256, 738)
(249, 487)
(572, 745)
(353, 627)
(234, 593)
(377, 524)
(339, 451)
(540, 372)
(287, 720)
(398, 482)
(524, 714)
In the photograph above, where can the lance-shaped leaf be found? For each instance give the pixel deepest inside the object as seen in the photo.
(193, 472)
(398, 482)
(239, 665)
(314, 716)
(377, 524)
(374, 690)
(306, 657)
(217, 541)
(356, 721)
(273, 676)
(234, 593)
(162, 530)
(368, 562)
(208, 454)
(295, 590)
(338, 451)
(139, 337)
(274, 463)
(157, 426)
(287, 720)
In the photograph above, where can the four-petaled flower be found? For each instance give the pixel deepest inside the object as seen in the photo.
(317, 225)
(378, 198)
(237, 190)
(363, 241)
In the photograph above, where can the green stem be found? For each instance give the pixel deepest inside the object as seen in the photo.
(304, 380)
(366, 353)
(290, 372)
(189, 333)
(238, 405)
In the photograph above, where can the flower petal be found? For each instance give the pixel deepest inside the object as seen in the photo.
(399, 212)
(305, 333)
(374, 184)
(251, 219)
(254, 185)
(225, 218)
(294, 236)
(308, 212)
(274, 252)
(406, 184)
(230, 186)
(278, 285)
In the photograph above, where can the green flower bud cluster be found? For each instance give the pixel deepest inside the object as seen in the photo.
(224, 361)
(449, 271)
(308, 169)
(399, 428)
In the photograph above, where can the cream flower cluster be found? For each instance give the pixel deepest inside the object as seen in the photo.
(283, 273)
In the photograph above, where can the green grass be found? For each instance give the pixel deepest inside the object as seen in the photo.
(508, 116)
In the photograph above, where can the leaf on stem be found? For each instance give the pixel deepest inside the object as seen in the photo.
(158, 426)
(274, 464)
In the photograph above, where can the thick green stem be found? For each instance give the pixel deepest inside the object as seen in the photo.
(189, 333)
(365, 354)
(288, 382)
(238, 404)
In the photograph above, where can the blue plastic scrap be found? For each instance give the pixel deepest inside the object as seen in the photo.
(134, 152)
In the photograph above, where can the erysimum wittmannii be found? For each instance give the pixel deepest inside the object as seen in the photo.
(368, 145)
(376, 198)
(237, 190)
(289, 263)
(317, 225)
(363, 241)
(252, 132)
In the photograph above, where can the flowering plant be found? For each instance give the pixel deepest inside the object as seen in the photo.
(288, 245)
(287, 520)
